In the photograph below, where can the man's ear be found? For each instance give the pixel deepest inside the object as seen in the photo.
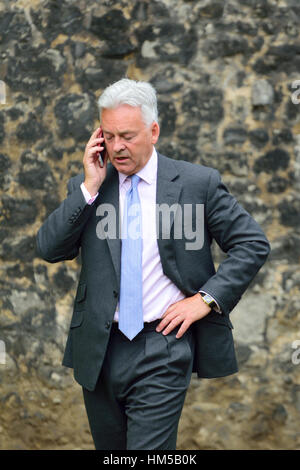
(155, 132)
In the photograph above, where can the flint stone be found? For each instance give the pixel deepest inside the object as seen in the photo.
(78, 49)
(18, 271)
(231, 162)
(100, 76)
(248, 29)
(277, 185)
(51, 202)
(5, 163)
(14, 27)
(249, 317)
(203, 105)
(164, 85)
(284, 136)
(286, 249)
(61, 17)
(262, 93)
(117, 50)
(14, 113)
(261, 8)
(19, 248)
(31, 130)
(168, 42)
(226, 46)
(290, 280)
(35, 70)
(295, 395)
(75, 116)
(279, 414)
(284, 58)
(243, 353)
(34, 174)
(213, 9)
(2, 131)
(290, 212)
(24, 301)
(258, 137)
(50, 151)
(63, 281)
(260, 211)
(111, 26)
(18, 212)
(233, 136)
(167, 113)
(292, 110)
(272, 161)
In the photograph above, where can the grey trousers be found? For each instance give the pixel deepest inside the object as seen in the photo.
(140, 391)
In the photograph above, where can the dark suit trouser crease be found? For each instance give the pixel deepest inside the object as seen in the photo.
(141, 390)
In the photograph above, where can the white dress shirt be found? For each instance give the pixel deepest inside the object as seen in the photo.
(159, 292)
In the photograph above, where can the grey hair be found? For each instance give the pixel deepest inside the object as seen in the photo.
(134, 93)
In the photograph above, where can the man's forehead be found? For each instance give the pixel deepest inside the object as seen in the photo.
(122, 119)
(120, 131)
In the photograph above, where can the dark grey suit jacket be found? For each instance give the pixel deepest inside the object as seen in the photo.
(71, 228)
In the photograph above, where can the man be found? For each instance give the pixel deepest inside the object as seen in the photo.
(150, 307)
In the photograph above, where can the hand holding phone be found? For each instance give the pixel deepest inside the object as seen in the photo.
(95, 162)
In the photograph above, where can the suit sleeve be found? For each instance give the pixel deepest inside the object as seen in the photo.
(58, 239)
(240, 237)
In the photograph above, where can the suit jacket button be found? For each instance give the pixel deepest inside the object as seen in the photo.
(115, 293)
(107, 325)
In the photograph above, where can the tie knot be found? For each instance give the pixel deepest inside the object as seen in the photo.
(134, 181)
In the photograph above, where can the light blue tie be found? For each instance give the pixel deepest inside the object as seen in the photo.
(131, 291)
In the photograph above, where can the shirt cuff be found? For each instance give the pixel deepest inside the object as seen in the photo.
(217, 308)
(88, 198)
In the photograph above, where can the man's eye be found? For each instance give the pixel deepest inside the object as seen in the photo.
(108, 138)
(128, 137)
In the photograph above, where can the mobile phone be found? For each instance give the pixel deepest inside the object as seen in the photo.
(101, 154)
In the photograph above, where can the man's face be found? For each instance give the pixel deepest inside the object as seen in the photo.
(129, 142)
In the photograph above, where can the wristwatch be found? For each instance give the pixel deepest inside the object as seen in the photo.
(208, 300)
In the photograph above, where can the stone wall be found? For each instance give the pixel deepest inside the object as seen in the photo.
(224, 72)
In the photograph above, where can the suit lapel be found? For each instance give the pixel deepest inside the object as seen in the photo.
(167, 192)
(168, 189)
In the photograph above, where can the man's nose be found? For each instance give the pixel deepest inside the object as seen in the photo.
(118, 145)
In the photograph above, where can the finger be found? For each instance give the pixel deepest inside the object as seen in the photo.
(95, 149)
(184, 327)
(97, 146)
(92, 143)
(175, 322)
(170, 309)
(165, 320)
(93, 152)
(96, 132)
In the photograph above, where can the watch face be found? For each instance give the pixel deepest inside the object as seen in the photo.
(208, 299)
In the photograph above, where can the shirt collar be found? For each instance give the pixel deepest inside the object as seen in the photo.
(147, 173)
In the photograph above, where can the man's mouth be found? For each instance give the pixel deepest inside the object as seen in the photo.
(121, 159)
